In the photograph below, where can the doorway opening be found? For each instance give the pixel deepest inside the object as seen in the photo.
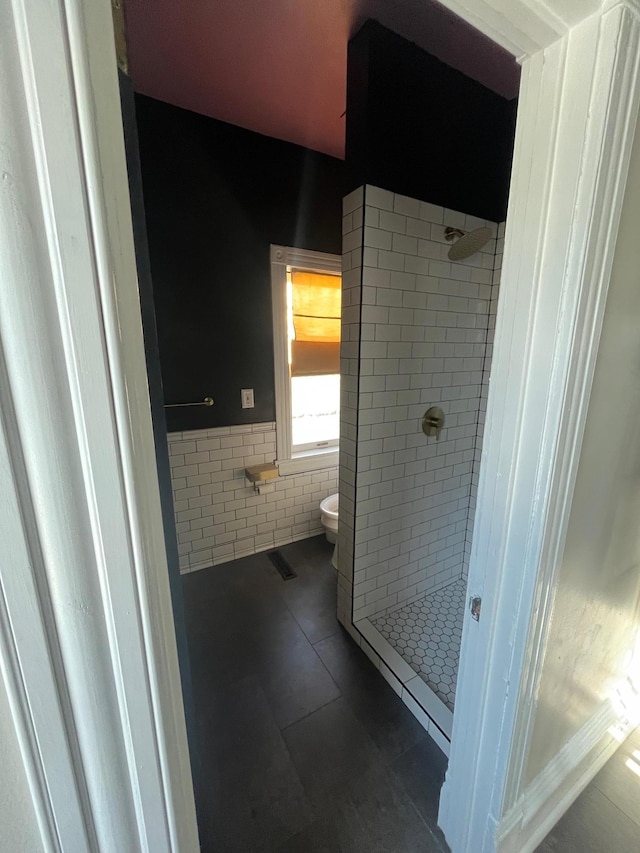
(234, 199)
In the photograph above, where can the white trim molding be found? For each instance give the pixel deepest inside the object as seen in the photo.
(551, 793)
(576, 120)
(523, 27)
(90, 662)
(593, 259)
(283, 257)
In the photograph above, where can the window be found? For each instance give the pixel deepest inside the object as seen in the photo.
(306, 298)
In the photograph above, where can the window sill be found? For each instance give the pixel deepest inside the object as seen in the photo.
(311, 461)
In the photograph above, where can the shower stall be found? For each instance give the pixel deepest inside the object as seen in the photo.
(420, 291)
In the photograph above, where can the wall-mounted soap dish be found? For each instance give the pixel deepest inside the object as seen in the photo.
(260, 473)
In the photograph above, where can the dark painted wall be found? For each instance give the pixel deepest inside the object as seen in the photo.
(417, 127)
(216, 197)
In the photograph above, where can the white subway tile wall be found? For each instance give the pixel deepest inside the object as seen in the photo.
(484, 394)
(352, 226)
(415, 327)
(219, 515)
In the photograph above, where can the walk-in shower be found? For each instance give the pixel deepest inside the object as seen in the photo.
(418, 317)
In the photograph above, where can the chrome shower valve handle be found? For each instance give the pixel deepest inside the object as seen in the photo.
(433, 422)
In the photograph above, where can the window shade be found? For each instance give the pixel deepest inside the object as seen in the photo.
(315, 349)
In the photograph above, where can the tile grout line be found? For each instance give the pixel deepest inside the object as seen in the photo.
(315, 711)
(311, 645)
(324, 666)
(614, 804)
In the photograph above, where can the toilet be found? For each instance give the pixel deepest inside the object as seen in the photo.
(329, 518)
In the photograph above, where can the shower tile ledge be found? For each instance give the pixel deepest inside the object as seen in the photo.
(396, 663)
(435, 717)
(432, 704)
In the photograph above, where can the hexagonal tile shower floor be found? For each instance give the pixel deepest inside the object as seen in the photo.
(427, 633)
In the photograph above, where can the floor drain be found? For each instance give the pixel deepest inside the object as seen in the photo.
(282, 565)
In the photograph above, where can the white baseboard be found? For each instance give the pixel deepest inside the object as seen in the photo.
(551, 793)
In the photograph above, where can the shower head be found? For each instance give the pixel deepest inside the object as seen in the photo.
(468, 243)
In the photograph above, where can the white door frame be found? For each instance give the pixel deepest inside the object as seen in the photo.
(89, 658)
(576, 122)
(89, 652)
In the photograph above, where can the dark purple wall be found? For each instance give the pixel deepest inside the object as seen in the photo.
(216, 197)
(418, 127)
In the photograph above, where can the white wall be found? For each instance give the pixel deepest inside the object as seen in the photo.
(588, 673)
(18, 825)
(219, 516)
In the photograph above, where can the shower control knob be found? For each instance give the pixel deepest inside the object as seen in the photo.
(433, 421)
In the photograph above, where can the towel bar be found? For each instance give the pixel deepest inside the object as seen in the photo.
(208, 401)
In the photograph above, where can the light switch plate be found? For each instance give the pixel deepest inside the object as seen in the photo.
(247, 398)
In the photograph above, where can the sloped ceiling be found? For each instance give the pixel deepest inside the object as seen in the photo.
(278, 67)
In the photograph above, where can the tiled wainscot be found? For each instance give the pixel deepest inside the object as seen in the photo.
(219, 515)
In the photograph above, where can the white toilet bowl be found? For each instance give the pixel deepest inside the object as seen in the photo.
(329, 518)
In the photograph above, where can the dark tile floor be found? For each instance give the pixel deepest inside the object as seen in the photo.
(304, 747)
(606, 816)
